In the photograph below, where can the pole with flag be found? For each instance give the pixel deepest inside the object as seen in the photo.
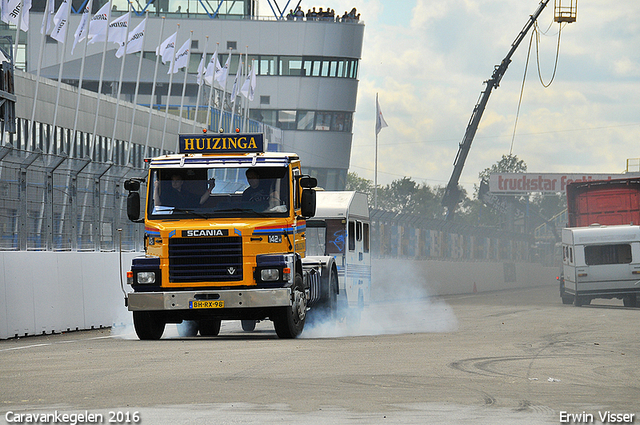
(380, 124)
(200, 81)
(234, 92)
(221, 77)
(59, 33)
(134, 45)
(99, 24)
(209, 78)
(81, 34)
(159, 49)
(166, 106)
(248, 89)
(182, 61)
(123, 21)
(43, 32)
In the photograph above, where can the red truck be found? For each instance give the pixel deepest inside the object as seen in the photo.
(606, 202)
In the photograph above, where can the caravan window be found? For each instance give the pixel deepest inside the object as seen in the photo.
(352, 235)
(365, 234)
(607, 254)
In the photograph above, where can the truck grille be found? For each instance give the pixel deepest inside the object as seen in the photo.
(205, 259)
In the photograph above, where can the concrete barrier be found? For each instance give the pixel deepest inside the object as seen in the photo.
(50, 292)
(400, 279)
(47, 292)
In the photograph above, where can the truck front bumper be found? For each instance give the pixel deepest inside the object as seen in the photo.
(180, 300)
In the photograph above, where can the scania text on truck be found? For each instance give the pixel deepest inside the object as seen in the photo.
(225, 239)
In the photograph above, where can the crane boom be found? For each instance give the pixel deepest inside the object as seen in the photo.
(451, 196)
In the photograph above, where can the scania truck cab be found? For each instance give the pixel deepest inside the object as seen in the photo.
(225, 239)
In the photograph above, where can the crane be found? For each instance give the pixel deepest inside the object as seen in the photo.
(451, 196)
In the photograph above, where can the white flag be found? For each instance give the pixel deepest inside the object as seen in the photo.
(49, 20)
(11, 12)
(181, 58)
(234, 90)
(223, 73)
(99, 22)
(165, 49)
(117, 30)
(200, 77)
(81, 31)
(380, 122)
(136, 40)
(61, 23)
(249, 87)
(211, 68)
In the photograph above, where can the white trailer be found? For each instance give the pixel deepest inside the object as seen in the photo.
(341, 229)
(601, 262)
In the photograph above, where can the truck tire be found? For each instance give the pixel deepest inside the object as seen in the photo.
(630, 301)
(148, 325)
(248, 325)
(289, 321)
(209, 327)
(188, 328)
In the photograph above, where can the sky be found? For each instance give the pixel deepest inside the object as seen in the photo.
(428, 61)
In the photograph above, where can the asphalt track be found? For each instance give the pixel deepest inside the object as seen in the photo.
(512, 357)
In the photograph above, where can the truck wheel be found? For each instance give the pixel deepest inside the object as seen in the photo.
(209, 327)
(148, 325)
(248, 325)
(188, 328)
(630, 301)
(289, 320)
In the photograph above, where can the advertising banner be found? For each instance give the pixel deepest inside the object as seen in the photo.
(514, 183)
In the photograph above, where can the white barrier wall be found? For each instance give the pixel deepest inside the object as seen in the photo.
(45, 292)
(400, 279)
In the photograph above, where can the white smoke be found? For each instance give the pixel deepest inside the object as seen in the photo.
(401, 302)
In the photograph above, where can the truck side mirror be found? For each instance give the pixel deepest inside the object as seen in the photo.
(308, 182)
(132, 185)
(308, 203)
(133, 206)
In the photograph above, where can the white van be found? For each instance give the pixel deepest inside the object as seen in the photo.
(341, 228)
(601, 262)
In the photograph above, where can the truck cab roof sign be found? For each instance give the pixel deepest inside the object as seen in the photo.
(221, 143)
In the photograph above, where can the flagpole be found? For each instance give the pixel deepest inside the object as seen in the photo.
(184, 88)
(224, 91)
(153, 87)
(166, 108)
(84, 56)
(124, 58)
(201, 78)
(60, 69)
(213, 78)
(234, 95)
(246, 72)
(15, 47)
(40, 55)
(99, 93)
(375, 166)
(135, 96)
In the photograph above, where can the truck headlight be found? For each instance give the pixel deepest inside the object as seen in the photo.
(269, 275)
(146, 278)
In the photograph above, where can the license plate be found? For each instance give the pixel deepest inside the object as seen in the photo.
(206, 304)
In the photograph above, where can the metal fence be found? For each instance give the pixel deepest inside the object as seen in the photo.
(56, 203)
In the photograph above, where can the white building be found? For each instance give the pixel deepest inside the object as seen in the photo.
(307, 70)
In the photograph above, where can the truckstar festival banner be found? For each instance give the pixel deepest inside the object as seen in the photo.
(512, 183)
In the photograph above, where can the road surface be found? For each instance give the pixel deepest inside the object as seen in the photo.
(516, 356)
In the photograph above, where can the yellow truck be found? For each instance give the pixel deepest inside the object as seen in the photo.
(225, 239)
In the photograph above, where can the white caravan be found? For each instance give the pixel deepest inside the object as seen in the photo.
(341, 229)
(601, 262)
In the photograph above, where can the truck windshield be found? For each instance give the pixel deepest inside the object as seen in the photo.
(218, 192)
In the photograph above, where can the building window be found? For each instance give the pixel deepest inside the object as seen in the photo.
(286, 120)
(233, 45)
(305, 120)
(291, 65)
(265, 100)
(267, 65)
(323, 121)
